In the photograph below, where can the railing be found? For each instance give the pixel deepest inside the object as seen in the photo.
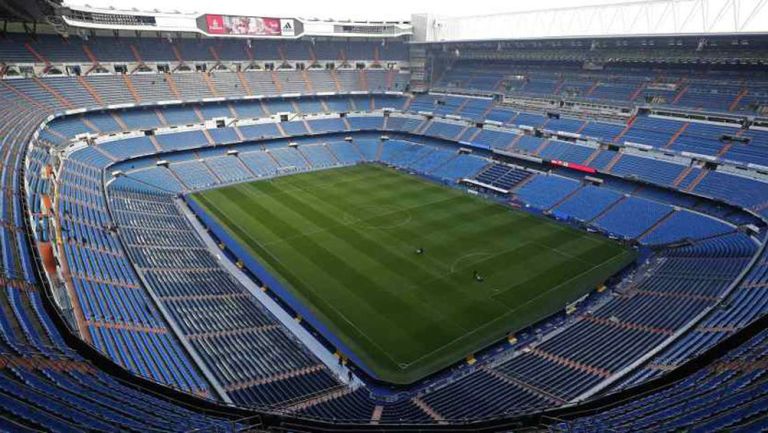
(501, 420)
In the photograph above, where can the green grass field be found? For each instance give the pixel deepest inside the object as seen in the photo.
(344, 242)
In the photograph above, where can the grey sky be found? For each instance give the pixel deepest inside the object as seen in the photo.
(341, 9)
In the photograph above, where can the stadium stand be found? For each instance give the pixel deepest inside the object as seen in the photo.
(107, 276)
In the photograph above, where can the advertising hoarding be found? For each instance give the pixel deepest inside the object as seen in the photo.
(247, 26)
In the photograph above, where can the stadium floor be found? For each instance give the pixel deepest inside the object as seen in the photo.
(345, 242)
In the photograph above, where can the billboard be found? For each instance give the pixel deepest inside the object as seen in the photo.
(573, 166)
(287, 27)
(245, 26)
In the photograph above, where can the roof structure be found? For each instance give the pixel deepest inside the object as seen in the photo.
(636, 18)
(29, 11)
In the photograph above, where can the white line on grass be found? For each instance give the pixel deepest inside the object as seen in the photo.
(296, 187)
(465, 256)
(346, 222)
(309, 287)
(505, 315)
(403, 366)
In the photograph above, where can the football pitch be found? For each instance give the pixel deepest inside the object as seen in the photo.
(345, 241)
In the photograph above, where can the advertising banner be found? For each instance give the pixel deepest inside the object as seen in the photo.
(573, 166)
(247, 26)
(287, 27)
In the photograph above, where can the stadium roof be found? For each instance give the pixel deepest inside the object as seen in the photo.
(26, 10)
(637, 18)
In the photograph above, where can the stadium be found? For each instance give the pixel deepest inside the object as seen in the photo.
(549, 220)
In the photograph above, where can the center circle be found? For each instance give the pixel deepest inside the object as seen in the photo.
(379, 216)
(469, 258)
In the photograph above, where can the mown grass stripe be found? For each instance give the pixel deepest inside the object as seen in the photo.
(343, 242)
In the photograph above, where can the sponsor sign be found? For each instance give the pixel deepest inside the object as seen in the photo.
(573, 166)
(287, 27)
(248, 26)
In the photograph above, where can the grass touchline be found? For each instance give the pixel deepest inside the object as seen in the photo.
(342, 242)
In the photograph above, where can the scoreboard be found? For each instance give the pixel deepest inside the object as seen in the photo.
(231, 25)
